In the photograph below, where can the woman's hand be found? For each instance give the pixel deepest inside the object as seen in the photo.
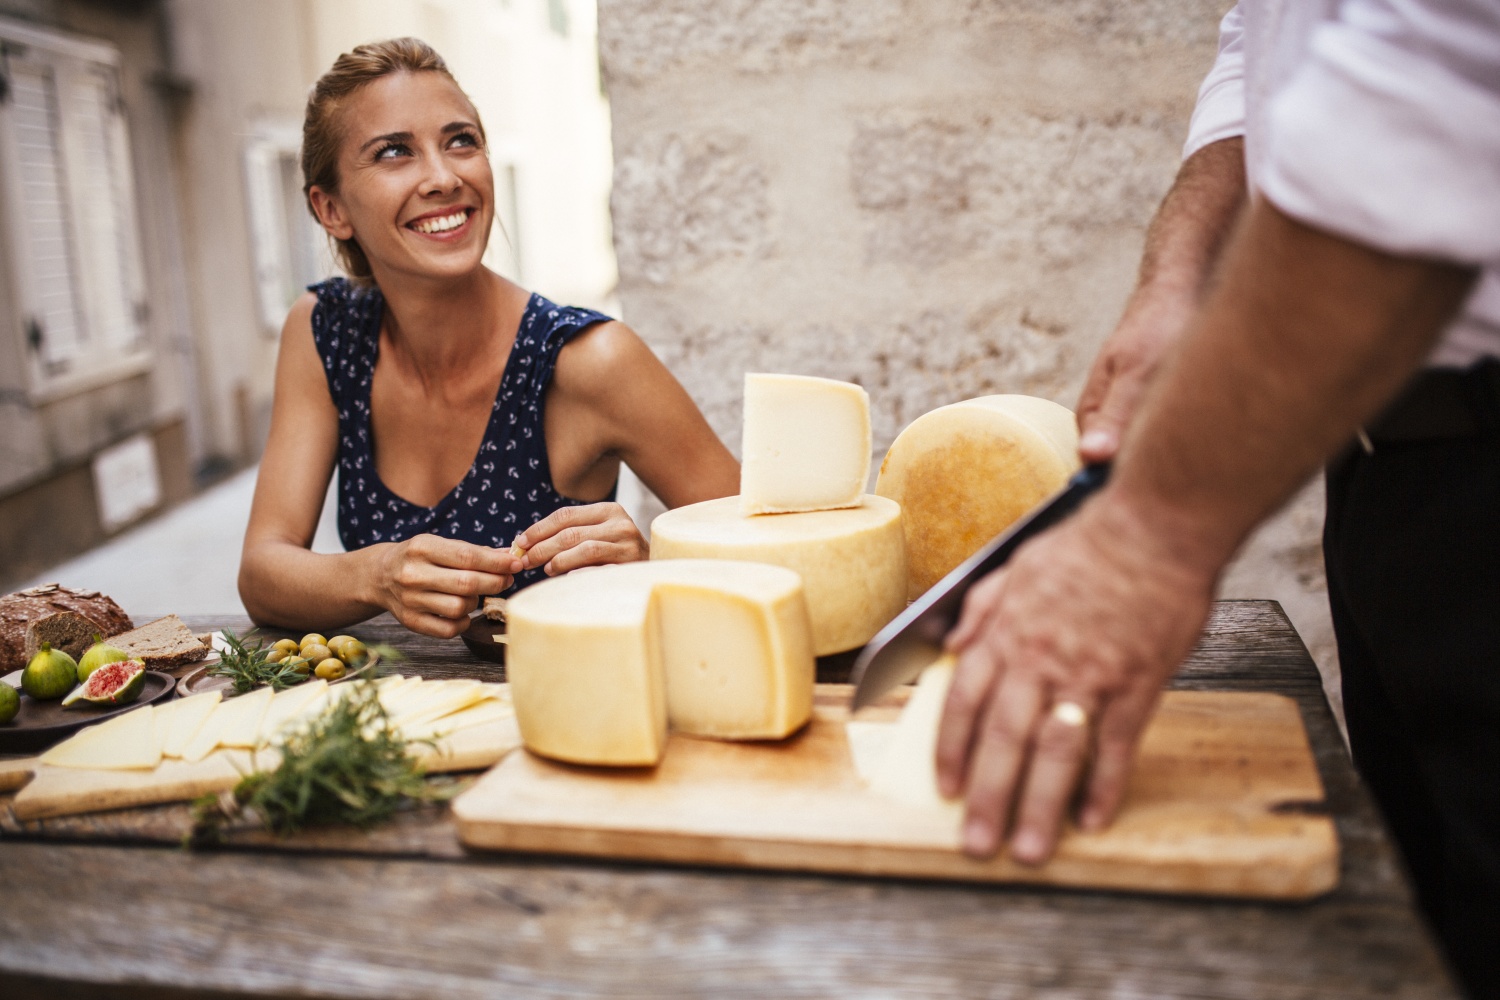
(572, 537)
(430, 584)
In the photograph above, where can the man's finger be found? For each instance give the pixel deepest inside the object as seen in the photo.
(1120, 725)
(979, 668)
(995, 769)
(979, 603)
(1057, 759)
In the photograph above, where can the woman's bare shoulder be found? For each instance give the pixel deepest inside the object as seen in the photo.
(595, 360)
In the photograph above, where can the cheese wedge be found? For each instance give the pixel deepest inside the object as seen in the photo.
(852, 561)
(600, 659)
(901, 762)
(806, 444)
(126, 742)
(178, 721)
(964, 473)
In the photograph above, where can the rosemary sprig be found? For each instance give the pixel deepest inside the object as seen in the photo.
(246, 666)
(346, 765)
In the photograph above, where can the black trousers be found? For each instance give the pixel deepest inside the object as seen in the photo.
(1412, 546)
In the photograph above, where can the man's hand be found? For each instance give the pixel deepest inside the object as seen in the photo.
(572, 537)
(1124, 368)
(1090, 614)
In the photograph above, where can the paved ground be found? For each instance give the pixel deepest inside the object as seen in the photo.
(183, 562)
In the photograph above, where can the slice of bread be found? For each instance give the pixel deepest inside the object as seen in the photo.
(67, 630)
(163, 644)
(494, 609)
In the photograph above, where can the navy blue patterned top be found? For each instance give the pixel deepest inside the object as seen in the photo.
(509, 486)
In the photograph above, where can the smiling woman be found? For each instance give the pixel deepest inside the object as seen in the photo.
(478, 428)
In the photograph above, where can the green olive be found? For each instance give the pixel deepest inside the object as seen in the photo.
(316, 652)
(286, 645)
(276, 655)
(313, 639)
(298, 665)
(353, 652)
(331, 669)
(337, 642)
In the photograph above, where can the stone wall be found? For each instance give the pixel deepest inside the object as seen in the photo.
(937, 199)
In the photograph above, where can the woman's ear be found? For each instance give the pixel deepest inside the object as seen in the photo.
(330, 212)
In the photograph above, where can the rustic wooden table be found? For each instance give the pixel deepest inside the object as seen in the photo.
(106, 906)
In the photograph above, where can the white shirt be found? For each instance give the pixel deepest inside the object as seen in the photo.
(1377, 120)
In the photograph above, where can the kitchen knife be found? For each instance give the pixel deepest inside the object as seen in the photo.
(914, 638)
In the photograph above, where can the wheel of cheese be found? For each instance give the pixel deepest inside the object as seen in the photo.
(602, 660)
(963, 473)
(806, 444)
(852, 561)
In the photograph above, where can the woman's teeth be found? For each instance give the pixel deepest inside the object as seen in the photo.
(442, 223)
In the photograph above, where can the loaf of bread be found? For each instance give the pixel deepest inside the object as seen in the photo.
(67, 630)
(20, 609)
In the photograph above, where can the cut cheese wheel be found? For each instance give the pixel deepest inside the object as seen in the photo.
(901, 764)
(599, 659)
(177, 721)
(964, 473)
(126, 742)
(852, 561)
(806, 444)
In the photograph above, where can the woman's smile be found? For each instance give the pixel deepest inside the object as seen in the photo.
(447, 224)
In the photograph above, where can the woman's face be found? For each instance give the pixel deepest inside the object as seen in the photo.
(415, 187)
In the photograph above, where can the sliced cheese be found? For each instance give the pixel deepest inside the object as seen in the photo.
(906, 767)
(178, 721)
(126, 742)
(964, 473)
(481, 713)
(600, 659)
(806, 444)
(289, 706)
(234, 723)
(443, 698)
(852, 561)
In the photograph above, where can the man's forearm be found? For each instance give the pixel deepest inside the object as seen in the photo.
(1303, 337)
(1193, 224)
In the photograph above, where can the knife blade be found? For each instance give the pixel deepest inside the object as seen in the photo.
(914, 638)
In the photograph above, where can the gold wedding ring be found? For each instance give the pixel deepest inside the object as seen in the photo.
(1070, 713)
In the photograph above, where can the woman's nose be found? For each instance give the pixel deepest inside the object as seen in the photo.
(441, 177)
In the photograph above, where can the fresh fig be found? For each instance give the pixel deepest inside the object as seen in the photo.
(50, 674)
(97, 656)
(117, 683)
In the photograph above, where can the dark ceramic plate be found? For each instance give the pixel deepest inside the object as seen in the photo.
(39, 724)
(481, 639)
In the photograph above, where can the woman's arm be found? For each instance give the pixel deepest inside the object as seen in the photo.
(429, 583)
(612, 400)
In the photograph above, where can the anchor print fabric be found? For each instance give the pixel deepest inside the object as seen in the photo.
(509, 486)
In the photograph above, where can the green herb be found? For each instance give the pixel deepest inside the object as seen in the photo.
(346, 765)
(246, 666)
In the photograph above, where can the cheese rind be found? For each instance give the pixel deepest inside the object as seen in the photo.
(599, 659)
(852, 561)
(965, 472)
(806, 444)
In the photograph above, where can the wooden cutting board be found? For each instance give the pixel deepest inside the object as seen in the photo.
(48, 791)
(1225, 800)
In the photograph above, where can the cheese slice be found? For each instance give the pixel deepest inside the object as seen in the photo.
(177, 721)
(905, 767)
(852, 561)
(234, 723)
(126, 742)
(442, 698)
(806, 444)
(964, 473)
(478, 714)
(600, 659)
(289, 706)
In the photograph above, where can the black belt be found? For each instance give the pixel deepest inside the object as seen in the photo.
(1442, 403)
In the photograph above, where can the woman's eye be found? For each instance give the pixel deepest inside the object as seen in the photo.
(465, 139)
(391, 150)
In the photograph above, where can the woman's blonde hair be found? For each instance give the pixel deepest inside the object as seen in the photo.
(321, 128)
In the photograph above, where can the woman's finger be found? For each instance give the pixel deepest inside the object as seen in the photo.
(561, 519)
